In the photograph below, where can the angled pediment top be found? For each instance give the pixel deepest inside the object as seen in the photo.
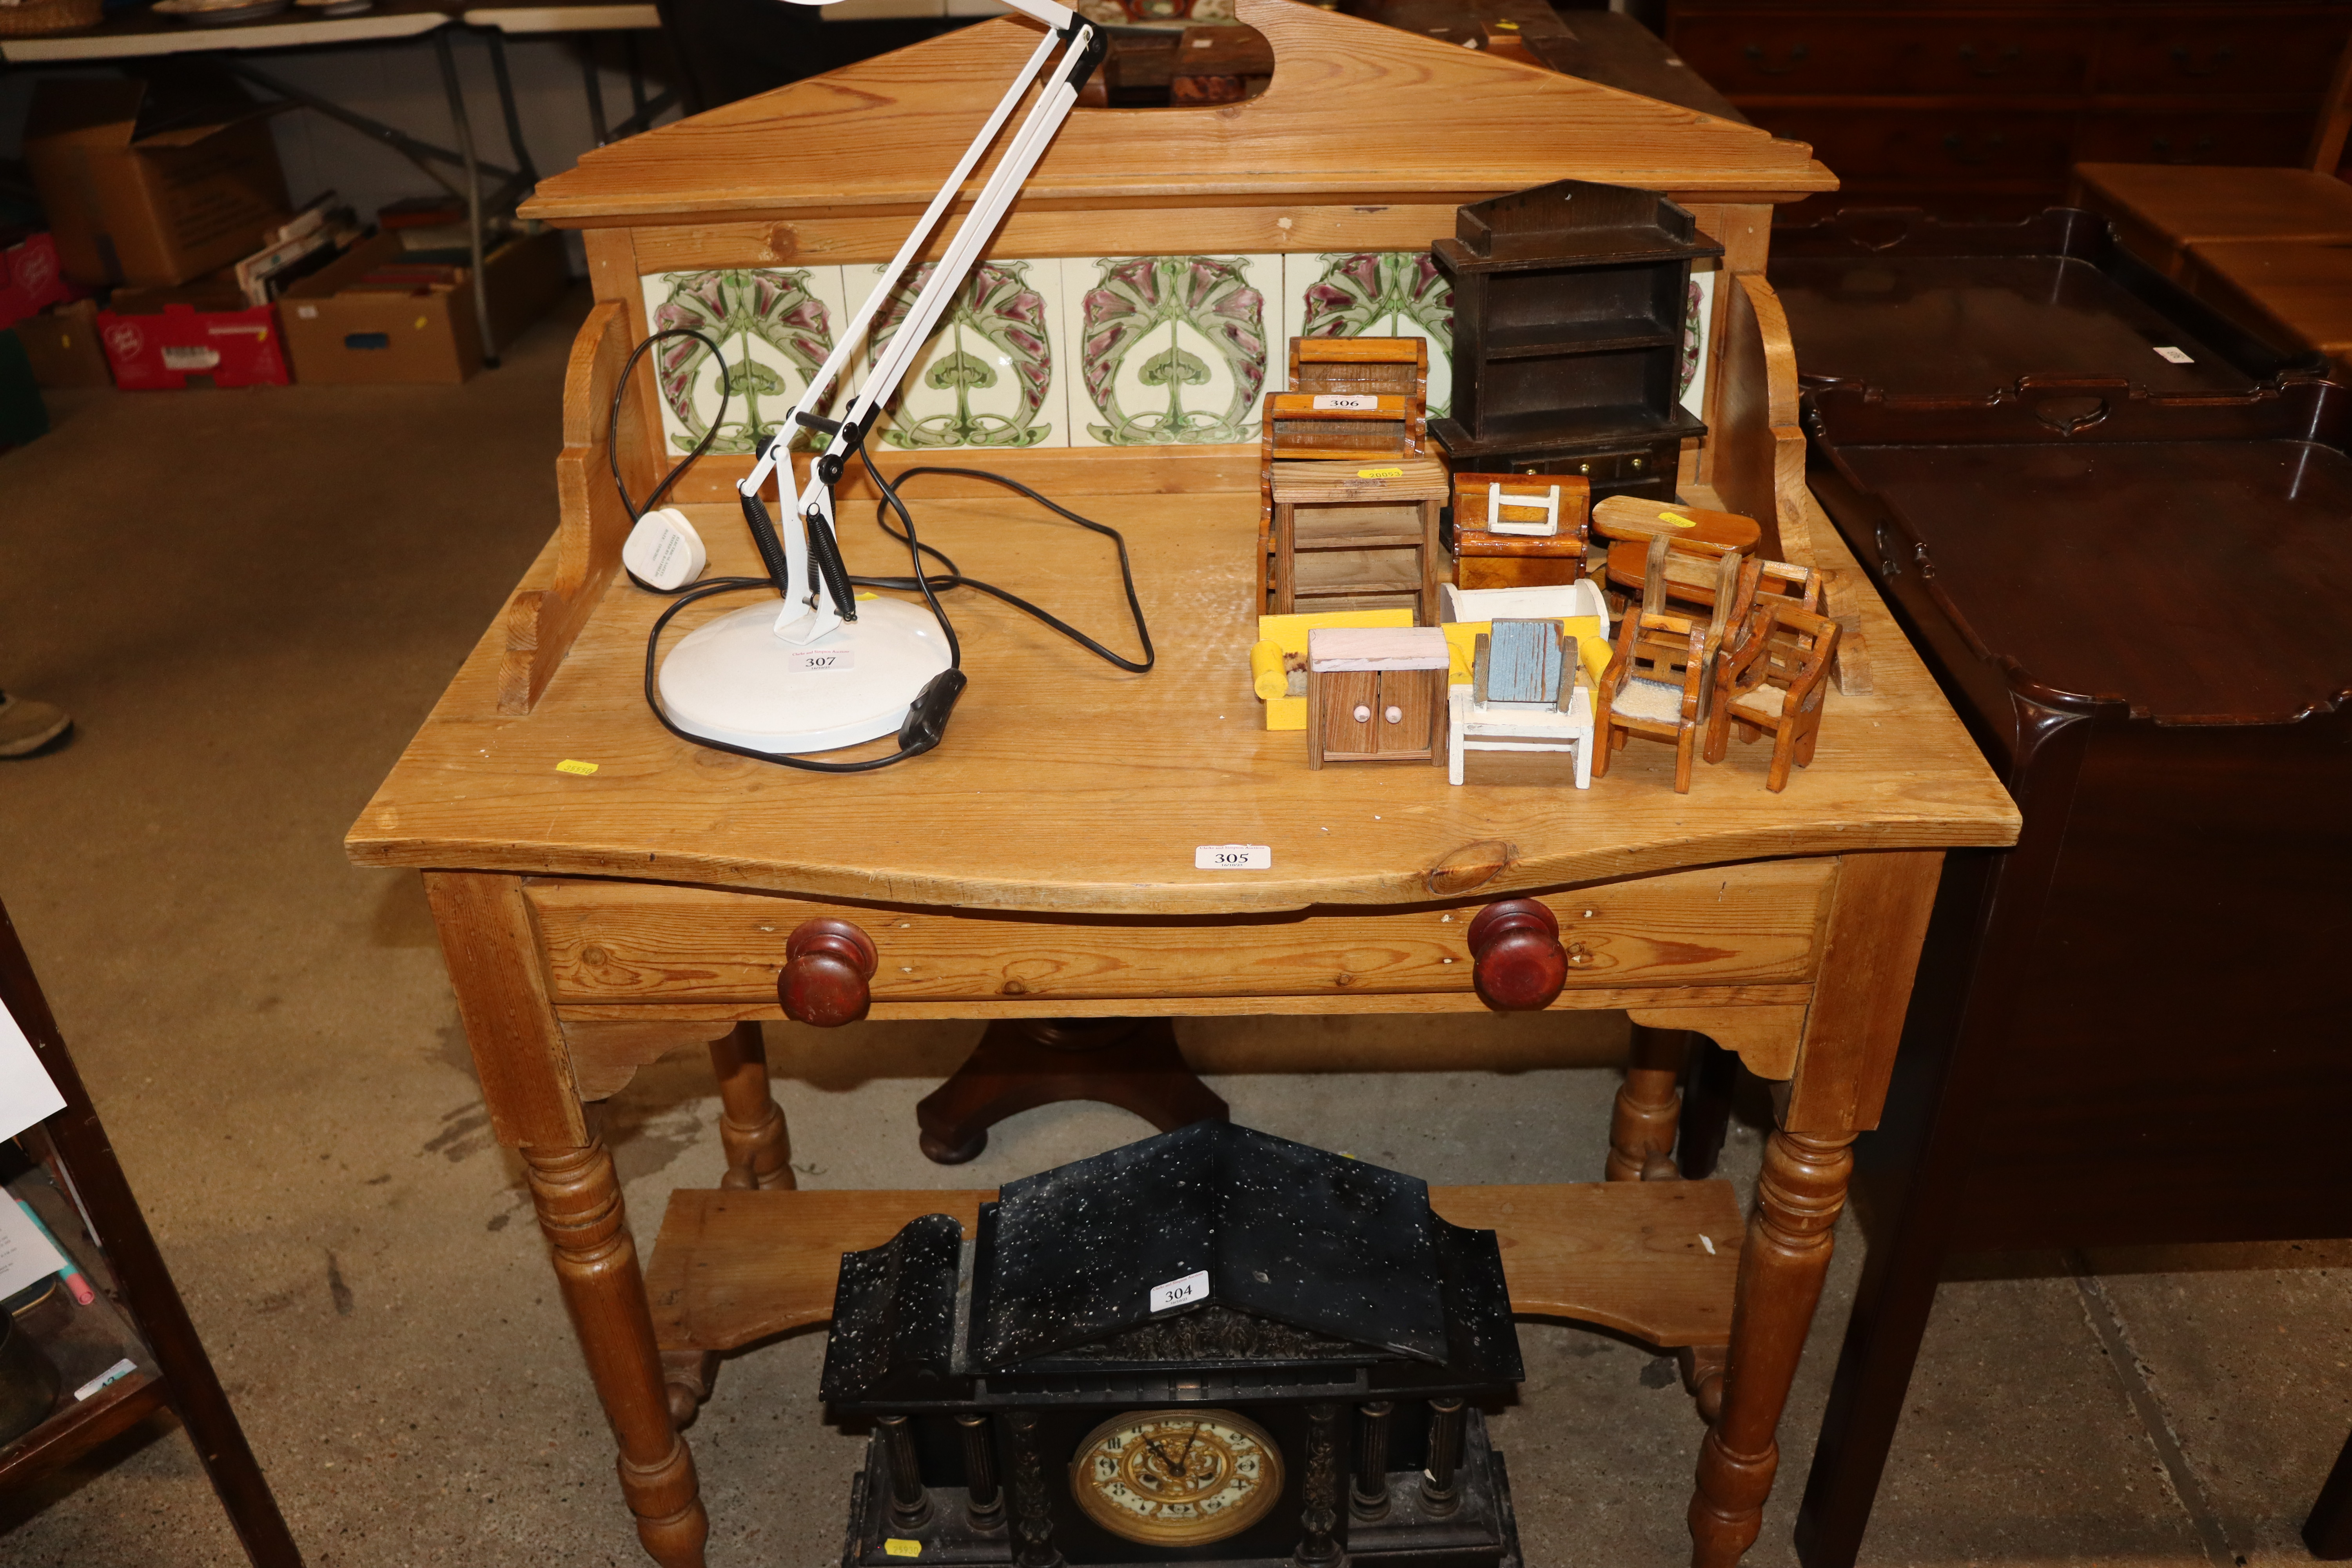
(1355, 112)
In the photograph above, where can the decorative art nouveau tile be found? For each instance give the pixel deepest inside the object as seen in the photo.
(990, 376)
(1370, 294)
(775, 326)
(1698, 332)
(1166, 350)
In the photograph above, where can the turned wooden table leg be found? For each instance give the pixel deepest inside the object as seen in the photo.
(1649, 1106)
(579, 1202)
(1797, 1197)
(750, 1125)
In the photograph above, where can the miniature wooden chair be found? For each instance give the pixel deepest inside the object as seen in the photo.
(1523, 696)
(1655, 686)
(1773, 677)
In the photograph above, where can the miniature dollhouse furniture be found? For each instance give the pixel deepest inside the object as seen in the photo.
(594, 922)
(1773, 676)
(1514, 531)
(1523, 696)
(1376, 695)
(1657, 687)
(1568, 310)
(1391, 366)
(1349, 537)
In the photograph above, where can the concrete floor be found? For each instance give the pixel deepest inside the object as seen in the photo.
(249, 599)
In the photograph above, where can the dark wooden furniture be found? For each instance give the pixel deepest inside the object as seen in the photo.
(1911, 305)
(1980, 110)
(2164, 212)
(138, 1314)
(2137, 603)
(1570, 303)
(2297, 292)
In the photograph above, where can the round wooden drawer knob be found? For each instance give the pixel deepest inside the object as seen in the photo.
(1518, 964)
(826, 966)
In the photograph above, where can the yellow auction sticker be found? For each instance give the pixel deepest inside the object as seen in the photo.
(1675, 520)
(568, 766)
(903, 1548)
(1379, 473)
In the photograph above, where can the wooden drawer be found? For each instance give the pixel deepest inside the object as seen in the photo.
(1930, 146)
(1850, 56)
(2256, 139)
(620, 943)
(2220, 53)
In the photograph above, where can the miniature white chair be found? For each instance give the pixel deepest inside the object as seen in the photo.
(1532, 703)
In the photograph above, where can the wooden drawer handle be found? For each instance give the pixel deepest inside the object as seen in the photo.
(826, 966)
(1518, 964)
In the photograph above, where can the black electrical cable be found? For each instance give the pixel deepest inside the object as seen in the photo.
(613, 425)
(956, 579)
(926, 716)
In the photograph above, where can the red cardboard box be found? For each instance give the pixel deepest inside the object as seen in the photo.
(30, 280)
(159, 350)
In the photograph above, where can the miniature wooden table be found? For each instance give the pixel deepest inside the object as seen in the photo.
(1040, 864)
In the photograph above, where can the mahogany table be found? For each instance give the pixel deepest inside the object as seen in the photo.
(1040, 864)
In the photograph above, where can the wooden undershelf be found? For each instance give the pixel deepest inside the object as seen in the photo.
(731, 1268)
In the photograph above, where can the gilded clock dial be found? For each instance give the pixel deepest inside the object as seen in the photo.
(1177, 1477)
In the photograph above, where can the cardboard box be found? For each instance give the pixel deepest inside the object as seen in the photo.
(62, 345)
(161, 339)
(337, 336)
(152, 181)
(30, 280)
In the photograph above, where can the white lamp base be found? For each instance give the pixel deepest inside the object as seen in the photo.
(735, 680)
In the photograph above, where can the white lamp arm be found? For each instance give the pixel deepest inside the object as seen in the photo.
(805, 620)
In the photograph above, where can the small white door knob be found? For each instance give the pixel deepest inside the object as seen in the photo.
(1395, 715)
(1363, 713)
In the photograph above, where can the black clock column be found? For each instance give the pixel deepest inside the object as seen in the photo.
(1438, 1494)
(984, 1499)
(1318, 1547)
(1033, 1520)
(1367, 1496)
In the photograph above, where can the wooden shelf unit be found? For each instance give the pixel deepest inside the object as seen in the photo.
(1341, 541)
(1568, 307)
(138, 1313)
(731, 1269)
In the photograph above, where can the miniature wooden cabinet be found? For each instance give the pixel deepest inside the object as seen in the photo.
(1570, 303)
(1376, 695)
(1349, 539)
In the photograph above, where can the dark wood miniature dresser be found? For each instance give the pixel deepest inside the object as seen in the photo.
(1980, 110)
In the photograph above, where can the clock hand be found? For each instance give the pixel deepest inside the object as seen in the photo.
(1195, 1438)
(1170, 1467)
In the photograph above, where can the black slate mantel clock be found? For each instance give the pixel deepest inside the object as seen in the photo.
(1212, 1346)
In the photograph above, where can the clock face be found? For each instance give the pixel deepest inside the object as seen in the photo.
(1177, 1477)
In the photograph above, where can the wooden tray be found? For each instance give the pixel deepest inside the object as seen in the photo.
(1898, 301)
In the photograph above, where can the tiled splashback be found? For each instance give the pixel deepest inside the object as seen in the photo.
(1108, 351)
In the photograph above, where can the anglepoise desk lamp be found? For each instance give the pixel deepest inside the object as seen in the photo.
(829, 671)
